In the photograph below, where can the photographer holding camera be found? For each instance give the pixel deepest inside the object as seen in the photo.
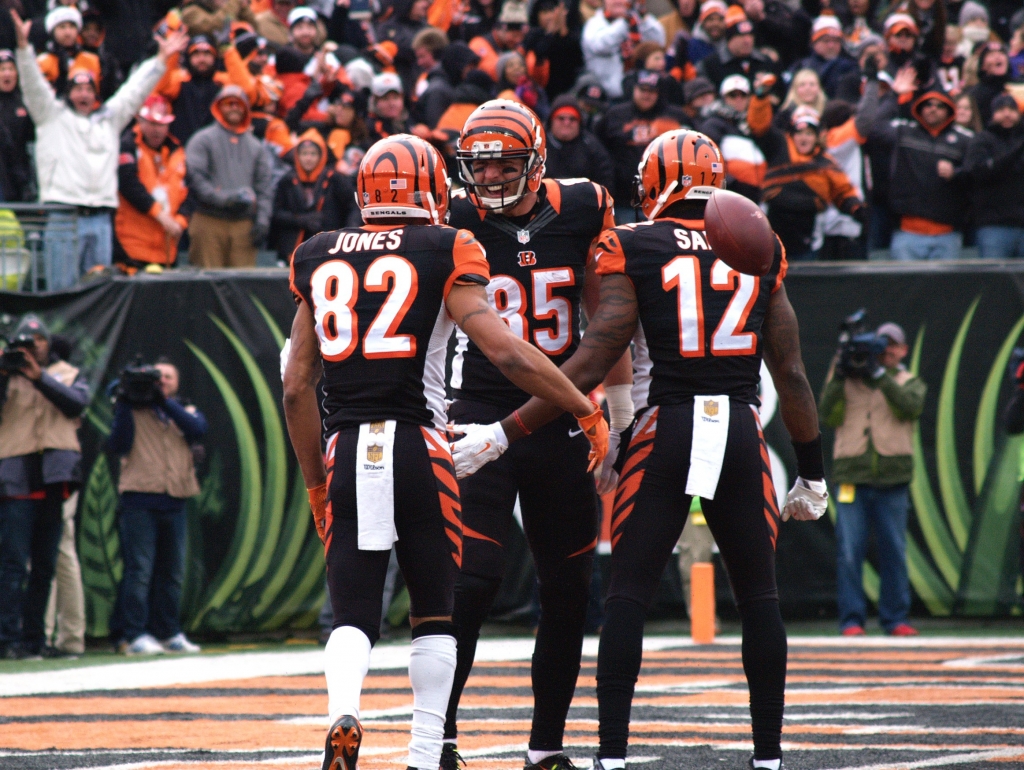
(153, 433)
(872, 402)
(41, 399)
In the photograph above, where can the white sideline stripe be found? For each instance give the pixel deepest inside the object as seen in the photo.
(195, 669)
(953, 759)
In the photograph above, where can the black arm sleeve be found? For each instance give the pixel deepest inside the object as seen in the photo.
(128, 183)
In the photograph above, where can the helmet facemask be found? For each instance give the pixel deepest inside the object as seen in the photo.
(496, 197)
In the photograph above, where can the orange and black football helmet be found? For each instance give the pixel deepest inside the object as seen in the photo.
(678, 165)
(403, 176)
(501, 129)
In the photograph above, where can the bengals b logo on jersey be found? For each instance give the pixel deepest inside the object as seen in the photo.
(527, 258)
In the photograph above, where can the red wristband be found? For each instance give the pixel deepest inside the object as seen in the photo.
(520, 423)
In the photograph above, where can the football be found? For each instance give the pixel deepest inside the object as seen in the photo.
(739, 233)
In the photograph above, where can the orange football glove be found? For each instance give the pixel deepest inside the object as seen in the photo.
(596, 430)
(318, 504)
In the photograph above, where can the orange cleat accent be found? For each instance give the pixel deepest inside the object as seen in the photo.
(853, 631)
(343, 740)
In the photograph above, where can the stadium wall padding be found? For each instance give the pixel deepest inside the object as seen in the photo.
(255, 564)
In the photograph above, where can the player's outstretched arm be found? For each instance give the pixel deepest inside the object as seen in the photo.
(781, 336)
(523, 364)
(301, 413)
(607, 337)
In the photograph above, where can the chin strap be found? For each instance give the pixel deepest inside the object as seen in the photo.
(659, 204)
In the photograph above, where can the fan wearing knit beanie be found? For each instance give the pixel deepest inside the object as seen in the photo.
(63, 52)
(827, 58)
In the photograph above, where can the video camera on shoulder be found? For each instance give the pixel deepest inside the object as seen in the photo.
(859, 348)
(15, 355)
(139, 385)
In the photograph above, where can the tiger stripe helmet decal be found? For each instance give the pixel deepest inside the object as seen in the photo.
(678, 165)
(403, 176)
(502, 129)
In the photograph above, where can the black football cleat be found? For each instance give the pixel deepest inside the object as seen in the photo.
(342, 749)
(554, 762)
(450, 758)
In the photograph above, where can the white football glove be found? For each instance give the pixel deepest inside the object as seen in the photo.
(480, 445)
(606, 477)
(806, 501)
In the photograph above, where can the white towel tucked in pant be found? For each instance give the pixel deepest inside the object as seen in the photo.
(710, 434)
(375, 486)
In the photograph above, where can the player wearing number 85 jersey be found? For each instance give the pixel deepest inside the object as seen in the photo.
(539, 236)
(699, 330)
(375, 310)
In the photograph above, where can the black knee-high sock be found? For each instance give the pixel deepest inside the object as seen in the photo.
(556, 655)
(764, 663)
(618, 665)
(473, 598)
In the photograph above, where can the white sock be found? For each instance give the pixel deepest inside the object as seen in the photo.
(770, 764)
(431, 672)
(346, 661)
(538, 756)
(613, 764)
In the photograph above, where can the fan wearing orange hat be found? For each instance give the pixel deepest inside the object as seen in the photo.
(707, 38)
(740, 57)
(151, 189)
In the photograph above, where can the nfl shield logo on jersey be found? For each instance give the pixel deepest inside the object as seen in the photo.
(710, 408)
(375, 452)
(524, 236)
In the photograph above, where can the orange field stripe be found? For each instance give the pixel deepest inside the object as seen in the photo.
(244, 704)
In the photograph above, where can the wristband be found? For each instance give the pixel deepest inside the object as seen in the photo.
(809, 461)
(620, 406)
(520, 423)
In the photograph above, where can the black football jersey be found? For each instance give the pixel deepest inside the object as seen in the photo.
(536, 279)
(700, 320)
(377, 293)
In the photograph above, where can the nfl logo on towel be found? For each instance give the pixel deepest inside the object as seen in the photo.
(375, 452)
(710, 408)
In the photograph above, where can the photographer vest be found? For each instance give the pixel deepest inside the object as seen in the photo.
(869, 416)
(160, 461)
(29, 421)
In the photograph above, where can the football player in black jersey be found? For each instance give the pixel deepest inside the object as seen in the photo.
(539, 236)
(699, 330)
(375, 310)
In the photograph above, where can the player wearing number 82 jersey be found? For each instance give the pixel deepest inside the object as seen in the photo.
(376, 308)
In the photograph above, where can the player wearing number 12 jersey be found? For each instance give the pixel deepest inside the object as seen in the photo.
(375, 312)
(539, 237)
(699, 329)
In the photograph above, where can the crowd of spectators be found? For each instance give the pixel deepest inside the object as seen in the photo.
(215, 128)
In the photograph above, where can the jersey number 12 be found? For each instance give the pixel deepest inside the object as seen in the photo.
(683, 274)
